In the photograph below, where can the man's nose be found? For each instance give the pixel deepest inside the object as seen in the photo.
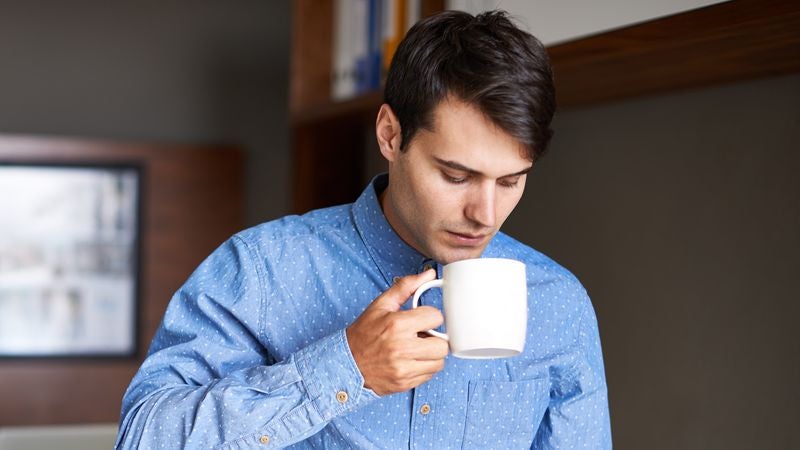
(480, 207)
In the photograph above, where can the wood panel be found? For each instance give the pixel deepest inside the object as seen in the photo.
(192, 201)
(726, 42)
(328, 163)
(312, 54)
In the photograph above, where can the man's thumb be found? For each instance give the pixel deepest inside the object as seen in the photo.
(404, 288)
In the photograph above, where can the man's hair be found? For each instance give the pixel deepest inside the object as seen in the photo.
(484, 61)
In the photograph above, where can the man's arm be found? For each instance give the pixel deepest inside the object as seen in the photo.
(578, 415)
(208, 382)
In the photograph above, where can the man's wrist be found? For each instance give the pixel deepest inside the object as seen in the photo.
(331, 376)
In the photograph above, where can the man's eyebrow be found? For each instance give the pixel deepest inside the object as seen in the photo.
(458, 166)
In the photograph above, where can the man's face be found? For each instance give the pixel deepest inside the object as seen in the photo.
(453, 187)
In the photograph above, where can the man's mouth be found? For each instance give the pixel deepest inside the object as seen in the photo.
(467, 239)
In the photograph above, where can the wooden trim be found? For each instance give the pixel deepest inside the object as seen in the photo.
(430, 7)
(328, 163)
(360, 106)
(732, 41)
(312, 54)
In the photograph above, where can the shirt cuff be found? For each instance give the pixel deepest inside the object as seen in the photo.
(331, 376)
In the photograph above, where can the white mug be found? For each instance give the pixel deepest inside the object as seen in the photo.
(485, 307)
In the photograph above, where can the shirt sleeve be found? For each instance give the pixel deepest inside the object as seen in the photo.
(208, 381)
(578, 415)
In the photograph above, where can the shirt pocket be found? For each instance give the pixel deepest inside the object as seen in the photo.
(504, 414)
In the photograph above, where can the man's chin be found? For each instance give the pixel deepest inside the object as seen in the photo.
(451, 255)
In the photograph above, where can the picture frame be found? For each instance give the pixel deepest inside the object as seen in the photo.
(70, 237)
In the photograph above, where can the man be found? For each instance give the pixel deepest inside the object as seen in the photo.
(297, 332)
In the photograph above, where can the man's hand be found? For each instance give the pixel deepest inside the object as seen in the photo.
(391, 355)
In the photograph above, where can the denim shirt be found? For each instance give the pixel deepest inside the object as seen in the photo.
(252, 352)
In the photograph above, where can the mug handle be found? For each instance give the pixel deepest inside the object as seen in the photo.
(421, 290)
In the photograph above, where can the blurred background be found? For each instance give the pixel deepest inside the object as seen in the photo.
(670, 189)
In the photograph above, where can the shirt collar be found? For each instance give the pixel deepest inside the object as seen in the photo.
(392, 256)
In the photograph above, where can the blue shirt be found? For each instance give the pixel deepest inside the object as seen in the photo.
(252, 352)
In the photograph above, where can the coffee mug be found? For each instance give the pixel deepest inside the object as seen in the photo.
(485, 307)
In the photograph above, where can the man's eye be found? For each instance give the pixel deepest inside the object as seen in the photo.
(509, 183)
(454, 180)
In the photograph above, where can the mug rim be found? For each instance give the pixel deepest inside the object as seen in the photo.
(470, 261)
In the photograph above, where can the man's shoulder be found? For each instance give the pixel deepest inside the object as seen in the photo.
(540, 267)
(556, 290)
(310, 227)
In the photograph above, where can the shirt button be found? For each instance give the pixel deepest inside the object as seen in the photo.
(264, 439)
(341, 396)
(395, 280)
(425, 409)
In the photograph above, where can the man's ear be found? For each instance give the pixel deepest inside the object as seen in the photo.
(387, 130)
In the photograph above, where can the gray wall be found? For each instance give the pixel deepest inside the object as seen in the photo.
(196, 71)
(681, 215)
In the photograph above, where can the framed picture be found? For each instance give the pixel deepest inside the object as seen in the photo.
(69, 259)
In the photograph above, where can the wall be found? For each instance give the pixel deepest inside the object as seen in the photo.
(556, 21)
(681, 215)
(199, 71)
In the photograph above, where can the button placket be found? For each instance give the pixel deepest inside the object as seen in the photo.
(427, 264)
(423, 414)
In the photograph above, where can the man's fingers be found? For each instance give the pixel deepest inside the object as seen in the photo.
(422, 318)
(430, 367)
(423, 378)
(419, 372)
(431, 348)
(404, 288)
(384, 341)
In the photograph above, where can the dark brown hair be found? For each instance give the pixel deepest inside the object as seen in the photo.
(483, 60)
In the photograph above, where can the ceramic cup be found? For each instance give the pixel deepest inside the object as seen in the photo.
(485, 307)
